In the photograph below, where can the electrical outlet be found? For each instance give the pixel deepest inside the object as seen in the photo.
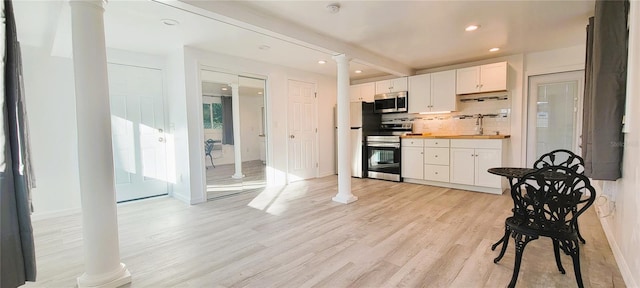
(604, 206)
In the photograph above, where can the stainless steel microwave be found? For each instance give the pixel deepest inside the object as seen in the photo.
(390, 102)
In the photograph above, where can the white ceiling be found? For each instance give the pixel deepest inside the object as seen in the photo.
(378, 34)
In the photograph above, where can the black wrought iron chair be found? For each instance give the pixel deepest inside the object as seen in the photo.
(208, 148)
(564, 158)
(561, 157)
(547, 203)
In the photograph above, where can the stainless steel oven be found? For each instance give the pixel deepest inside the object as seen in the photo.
(383, 157)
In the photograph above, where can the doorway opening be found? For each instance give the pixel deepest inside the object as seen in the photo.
(554, 112)
(235, 138)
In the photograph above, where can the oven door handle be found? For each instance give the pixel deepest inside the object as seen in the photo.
(393, 145)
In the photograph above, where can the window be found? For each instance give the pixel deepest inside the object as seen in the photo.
(212, 115)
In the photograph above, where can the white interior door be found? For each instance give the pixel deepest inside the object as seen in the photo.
(137, 126)
(302, 131)
(554, 113)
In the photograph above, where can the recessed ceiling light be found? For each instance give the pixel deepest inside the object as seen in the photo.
(494, 49)
(169, 22)
(264, 47)
(260, 93)
(358, 71)
(321, 62)
(224, 88)
(472, 28)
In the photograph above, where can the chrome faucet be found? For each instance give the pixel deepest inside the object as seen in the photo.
(478, 128)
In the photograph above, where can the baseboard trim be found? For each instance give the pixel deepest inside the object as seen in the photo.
(195, 201)
(497, 191)
(54, 214)
(181, 198)
(325, 174)
(627, 276)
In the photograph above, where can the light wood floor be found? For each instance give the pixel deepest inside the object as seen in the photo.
(396, 235)
(220, 184)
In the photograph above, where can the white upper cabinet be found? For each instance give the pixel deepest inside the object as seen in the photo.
(443, 91)
(468, 80)
(392, 85)
(432, 92)
(419, 93)
(484, 78)
(493, 77)
(362, 92)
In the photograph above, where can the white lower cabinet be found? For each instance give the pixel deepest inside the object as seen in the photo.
(436, 160)
(436, 173)
(426, 159)
(462, 166)
(455, 163)
(412, 158)
(486, 159)
(470, 160)
(412, 163)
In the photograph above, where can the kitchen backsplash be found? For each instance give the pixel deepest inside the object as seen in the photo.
(495, 108)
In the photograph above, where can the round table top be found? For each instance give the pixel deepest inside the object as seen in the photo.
(512, 172)
(515, 172)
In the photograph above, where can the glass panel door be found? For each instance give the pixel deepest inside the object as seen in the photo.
(554, 113)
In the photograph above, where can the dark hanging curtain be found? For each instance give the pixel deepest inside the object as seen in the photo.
(227, 121)
(17, 256)
(605, 90)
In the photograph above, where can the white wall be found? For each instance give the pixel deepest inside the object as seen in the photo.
(276, 106)
(50, 97)
(50, 100)
(553, 61)
(177, 143)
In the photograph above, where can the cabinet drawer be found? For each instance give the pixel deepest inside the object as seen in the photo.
(436, 142)
(437, 156)
(436, 173)
(412, 142)
(477, 143)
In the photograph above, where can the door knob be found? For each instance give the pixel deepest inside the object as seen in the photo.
(292, 136)
(160, 130)
(160, 139)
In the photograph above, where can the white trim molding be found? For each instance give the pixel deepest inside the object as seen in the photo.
(627, 276)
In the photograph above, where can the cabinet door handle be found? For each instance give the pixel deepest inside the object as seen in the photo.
(436, 156)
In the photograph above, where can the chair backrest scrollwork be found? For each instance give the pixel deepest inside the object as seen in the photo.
(561, 157)
(552, 198)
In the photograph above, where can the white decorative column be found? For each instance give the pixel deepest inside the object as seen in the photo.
(95, 154)
(237, 145)
(344, 138)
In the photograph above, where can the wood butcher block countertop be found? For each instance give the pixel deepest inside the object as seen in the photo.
(429, 136)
